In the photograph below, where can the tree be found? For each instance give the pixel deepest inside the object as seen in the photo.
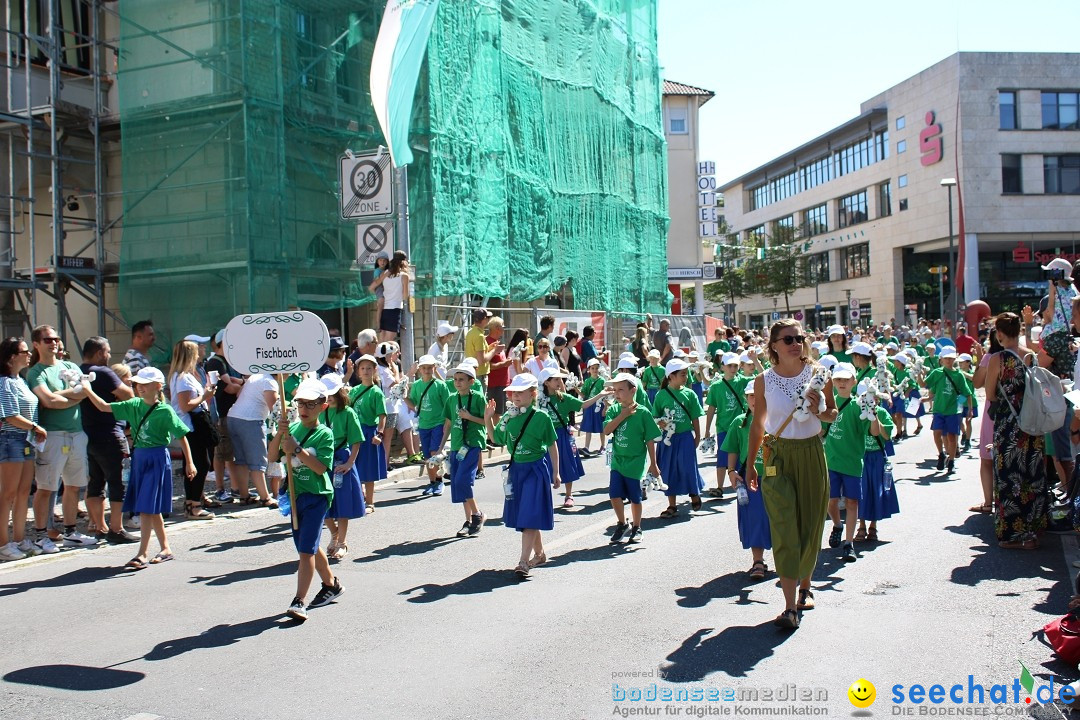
(731, 282)
(782, 266)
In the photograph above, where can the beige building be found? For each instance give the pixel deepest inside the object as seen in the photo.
(868, 201)
(684, 247)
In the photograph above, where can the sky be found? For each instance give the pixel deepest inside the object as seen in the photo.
(786, 71)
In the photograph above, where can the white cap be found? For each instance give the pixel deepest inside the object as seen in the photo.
(835, 330)
(1059, 264)
(730, 358)
(901, 358)
(310, 389)
(678, 354)
(843, 370)
(333, 383)
(465, 369)
(548, 373)
(627, 363)
(592, 361)
(427, 360)
(827, 361)
(200, 339)
(745, 358)
(626, 355)
(654, 353)
(674, 365)
(622, 377)
(148, 375)
(522, 381)
(367, 358)
(892, 346)
(963, 357)
(445, 328)
(861, 348)
(749, 389)
(821, 347)
(947, 352)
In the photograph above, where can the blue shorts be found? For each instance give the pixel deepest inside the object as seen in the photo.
(947, 424)
(1062, 443)
(846, 486)
(431, 440)
(621, 486)
(310, 513)
(14, 448)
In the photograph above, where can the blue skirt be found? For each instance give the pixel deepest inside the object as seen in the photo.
(150, 488)
(652, 395)
(922, 406)
(699, 388)
(530, 507)
(371, 462)
(896, 407)
(754, 521)
(678, 465)
(348, 502)
(570, 467)
(877, 502)
(721, 456)
(592, 419)
(463, 475)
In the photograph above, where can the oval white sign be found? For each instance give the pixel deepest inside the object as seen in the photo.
(282, 342)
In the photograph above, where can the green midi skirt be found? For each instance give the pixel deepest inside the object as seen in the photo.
(797, 500)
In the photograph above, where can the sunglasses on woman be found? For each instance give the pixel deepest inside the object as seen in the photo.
(789, 339)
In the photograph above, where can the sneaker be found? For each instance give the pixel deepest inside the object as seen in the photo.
(949, 466)
(480, 475)
(223, 496)
(941, 461)
(635, 534)
(28, 548)
(77, 539)
(46, 546)
(436, 489)
(429, 489)
(296, 610)
(620, 530)
(464, 531)
(477, 524)
(848, 555)
(131, 523)
(10, 552)
(120, 538)
(834, 536)
(327, 594)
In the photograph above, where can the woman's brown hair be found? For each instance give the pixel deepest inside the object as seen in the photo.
(774, 336)
(1008, 324)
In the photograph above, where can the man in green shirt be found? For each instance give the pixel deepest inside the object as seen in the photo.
(65, 448)
(633, 434)
(718, 343)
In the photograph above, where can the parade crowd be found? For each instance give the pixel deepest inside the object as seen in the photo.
(803, 426)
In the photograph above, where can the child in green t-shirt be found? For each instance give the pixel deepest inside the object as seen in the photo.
(427, 399)
(348, 437)
(677, 457)
(154, 425)
(592, 421)
(308, 448)
(369, 404)
(464, 424)
(633, 436)
(652, 377)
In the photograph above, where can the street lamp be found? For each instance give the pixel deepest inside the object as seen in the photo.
(950, 183)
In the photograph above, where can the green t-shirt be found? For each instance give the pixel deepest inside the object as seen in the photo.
(539, 435)
(160, 427)
(321, 440)
(592, 386)
(368, 403)
(737, 441)
(728, 399)
(900, 373)
(345, 426)
(867, 373)
(715, 345)
(560, 408)
(630, 439)
(932, 362)
(475, 434)
(841, 356)
(877, 442)
(429, 397)
(671, 398)
(641, 398)
(844, 442)
(652, 377)
(291, 383)
(944, 384)
(67, 420)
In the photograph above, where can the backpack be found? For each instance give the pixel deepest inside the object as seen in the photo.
(1044, 408)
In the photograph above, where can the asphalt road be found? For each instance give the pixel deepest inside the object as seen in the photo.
(435, 626)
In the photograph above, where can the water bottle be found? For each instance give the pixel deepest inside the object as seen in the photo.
(462, 452)
(415, 423)
(607, 455)
(888, 475)
(742, 495)
(125, 473)
(508, 486)
(284, 506)
(338, 479)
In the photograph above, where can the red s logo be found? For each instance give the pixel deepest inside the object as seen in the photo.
(931, 144)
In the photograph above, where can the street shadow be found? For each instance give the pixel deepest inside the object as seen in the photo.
(600, 552)
(74, 677)
(989, 562)
(733, 585)
(481, 581)
(736, 650)
(216, 637)
(260, 573)
(82, 576)
(418, 547)
(262, 537)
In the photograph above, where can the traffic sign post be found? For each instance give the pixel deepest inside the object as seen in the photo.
(854, 303)
(854, 314)
(367, 185)
(940, 271)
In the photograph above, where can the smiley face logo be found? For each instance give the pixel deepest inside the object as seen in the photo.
(862, 693)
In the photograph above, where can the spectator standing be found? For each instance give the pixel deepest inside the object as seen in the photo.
(366, 342)
(142, 339)
(499, 377)
(395, 284)
(188, 397)
(476, 345)
(588, 347)
(440, 349)
(964, 342)
(661, 340)
(19, 408)
(229, 385)
(547, 329)
(247, 426)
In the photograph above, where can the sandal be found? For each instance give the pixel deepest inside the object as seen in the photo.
(161, 557)
(758, 570)
(269, 503)
(871, 534)
(194, 512)
(210, 502)
(246, 500)
(983, 508)
(806, 600)
(715, 492)
(538, 560)
(789, 620)
(695, 502)
(860, 535)
(340, 551)
(522, 570)
(135, 563)
(669, 512)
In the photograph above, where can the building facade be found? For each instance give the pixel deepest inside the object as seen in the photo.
(867, 203)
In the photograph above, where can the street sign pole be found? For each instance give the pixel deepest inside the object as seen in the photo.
(408, 340)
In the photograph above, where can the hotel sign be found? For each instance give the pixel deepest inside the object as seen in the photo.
(706, 197)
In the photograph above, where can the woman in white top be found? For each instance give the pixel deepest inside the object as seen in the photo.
(247, 428)
(398, 415)
(188, 396)
(543, 359)
(395, 286)
(796, 483)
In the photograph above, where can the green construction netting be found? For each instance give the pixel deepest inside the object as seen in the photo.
(539, 154)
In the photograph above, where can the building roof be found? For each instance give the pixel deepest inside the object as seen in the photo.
(676, 88)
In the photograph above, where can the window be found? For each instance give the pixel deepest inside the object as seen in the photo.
(851, 209)
(884, 199)
(1059, 110)
(817, 267)
(756, 235)
(815, 173)
(677, 122)
(1007, 110)
(902, 181)
(1010, 174)
(901, 146)
(903, 204)
(817, 220)
(74, 20)
(855, 261)
(1061, 174)
(901, 122)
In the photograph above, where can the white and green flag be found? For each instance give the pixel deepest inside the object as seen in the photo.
(395, 69)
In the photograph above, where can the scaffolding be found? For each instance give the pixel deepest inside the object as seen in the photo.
(54, 129)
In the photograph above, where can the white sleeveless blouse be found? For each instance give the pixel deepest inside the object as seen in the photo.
(781, 394)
